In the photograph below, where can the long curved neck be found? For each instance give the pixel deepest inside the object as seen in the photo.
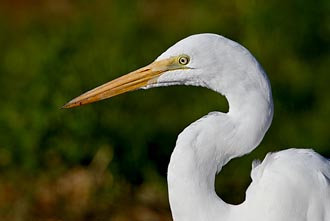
(208, 144)
(191, 185)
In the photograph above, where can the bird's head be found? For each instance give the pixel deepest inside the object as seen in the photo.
(206, 60)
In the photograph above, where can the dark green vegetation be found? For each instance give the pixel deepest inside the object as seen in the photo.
(107, 161)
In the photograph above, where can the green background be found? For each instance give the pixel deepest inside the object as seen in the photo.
(108, 161)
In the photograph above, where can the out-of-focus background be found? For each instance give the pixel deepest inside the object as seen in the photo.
(108, 161)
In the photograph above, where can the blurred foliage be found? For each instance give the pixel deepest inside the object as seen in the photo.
(108, 161)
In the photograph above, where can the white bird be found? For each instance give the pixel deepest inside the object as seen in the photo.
(290, 185)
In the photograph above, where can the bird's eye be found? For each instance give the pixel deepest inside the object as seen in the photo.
(184, 59)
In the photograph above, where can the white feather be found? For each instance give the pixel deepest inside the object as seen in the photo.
(290, 185)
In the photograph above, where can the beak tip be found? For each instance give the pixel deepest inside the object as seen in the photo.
(65, 106)
(69, 105)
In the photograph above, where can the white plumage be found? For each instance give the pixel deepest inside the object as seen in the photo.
(290, 185)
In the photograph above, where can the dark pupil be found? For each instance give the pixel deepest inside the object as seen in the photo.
(183, 61)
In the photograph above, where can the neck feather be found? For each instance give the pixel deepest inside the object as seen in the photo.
(207, 145)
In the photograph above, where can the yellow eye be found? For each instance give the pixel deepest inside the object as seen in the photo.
(184, 59)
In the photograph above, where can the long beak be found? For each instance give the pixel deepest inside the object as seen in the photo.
(131, 81)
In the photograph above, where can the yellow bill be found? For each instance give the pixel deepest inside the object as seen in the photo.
(131, 81)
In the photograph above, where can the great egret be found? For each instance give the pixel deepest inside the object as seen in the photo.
(290, 185)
